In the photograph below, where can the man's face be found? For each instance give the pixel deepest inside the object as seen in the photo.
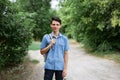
(55, 25)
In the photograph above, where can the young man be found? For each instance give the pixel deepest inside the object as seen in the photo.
(56, 50)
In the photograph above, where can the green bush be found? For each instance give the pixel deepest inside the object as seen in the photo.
(15, 36)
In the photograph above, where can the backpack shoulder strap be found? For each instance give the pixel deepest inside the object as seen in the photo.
(50, 35)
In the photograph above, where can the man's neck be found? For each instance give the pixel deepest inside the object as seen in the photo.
(56, 33)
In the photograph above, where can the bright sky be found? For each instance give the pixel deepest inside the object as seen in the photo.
(13, 0)
(54, 4)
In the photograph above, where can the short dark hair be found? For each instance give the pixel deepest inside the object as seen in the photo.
(55, 19)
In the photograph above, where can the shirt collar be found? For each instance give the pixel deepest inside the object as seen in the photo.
(55, 36)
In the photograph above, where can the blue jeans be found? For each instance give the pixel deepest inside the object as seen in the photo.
(48, 75)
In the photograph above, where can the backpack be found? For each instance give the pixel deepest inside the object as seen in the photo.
(45, 55)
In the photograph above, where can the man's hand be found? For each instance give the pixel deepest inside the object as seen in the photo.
(53, 41)
(64, 73)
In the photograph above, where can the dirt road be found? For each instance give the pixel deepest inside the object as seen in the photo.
(81, 66)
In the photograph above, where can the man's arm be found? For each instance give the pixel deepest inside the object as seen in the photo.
(45, 50)
(65, 64)
(65, 59)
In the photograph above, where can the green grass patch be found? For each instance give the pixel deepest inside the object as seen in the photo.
(34, 61)
(34, 46)
(20, 72)
(113, 55)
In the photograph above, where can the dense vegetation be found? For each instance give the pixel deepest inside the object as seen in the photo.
(42, 15)
(95, 23)
(20, 21)
(15, 34)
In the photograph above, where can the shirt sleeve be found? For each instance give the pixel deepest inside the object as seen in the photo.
(43, 43)
(66, 45)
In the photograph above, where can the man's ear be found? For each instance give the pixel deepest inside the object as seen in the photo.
(50, 25)
(60, 26)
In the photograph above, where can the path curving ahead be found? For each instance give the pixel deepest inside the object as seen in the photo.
(81, 66)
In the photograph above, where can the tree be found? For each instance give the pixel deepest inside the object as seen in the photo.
(96, 23)
(42, 18)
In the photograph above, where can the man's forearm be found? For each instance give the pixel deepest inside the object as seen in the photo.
(65, 59)
(45, 50)
(64, 73)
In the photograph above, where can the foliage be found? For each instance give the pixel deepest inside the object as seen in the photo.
(42, 15)
(95, 23)
(15, 34)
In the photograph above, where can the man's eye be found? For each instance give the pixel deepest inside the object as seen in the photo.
(55, 24)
